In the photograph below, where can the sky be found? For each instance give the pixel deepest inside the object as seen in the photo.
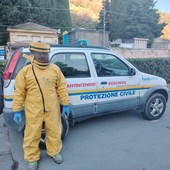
(163, 6)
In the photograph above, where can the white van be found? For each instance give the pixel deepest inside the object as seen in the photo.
(99, 82)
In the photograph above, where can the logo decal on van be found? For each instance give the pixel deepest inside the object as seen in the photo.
(107, 95)
(149, 78)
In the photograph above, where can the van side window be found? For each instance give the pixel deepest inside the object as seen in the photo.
(72, 65)
(109, 65)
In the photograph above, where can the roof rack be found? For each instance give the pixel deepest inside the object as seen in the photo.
(70, 46)
(77, 46)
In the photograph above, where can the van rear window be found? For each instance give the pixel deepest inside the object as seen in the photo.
(15, 63)
(20, 64)
(9, 70)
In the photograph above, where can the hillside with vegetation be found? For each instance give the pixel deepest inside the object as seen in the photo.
(85, 13)
(89, 8)
(165, 17)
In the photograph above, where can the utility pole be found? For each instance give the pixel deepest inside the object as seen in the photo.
(29, 10)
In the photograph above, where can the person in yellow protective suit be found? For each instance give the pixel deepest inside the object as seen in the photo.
(40, 87)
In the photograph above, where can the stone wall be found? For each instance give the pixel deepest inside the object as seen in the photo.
(142, 53)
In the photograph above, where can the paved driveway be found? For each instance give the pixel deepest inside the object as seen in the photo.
(121, 141)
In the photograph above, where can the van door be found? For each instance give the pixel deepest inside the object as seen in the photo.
(117, 88)
(80, 82)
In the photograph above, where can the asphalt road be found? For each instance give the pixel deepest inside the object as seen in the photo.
(121, 141)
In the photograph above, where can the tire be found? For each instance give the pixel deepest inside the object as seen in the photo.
(1, 95)
(155, 107)
(65, 129)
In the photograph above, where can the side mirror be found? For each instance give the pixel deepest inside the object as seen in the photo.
(132, 72)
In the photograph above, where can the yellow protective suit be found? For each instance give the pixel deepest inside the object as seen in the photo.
(40, 89)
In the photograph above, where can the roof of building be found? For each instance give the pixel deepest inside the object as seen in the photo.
(32, 26)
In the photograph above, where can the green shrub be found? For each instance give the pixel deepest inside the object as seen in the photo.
(156, 66)
(2, 65)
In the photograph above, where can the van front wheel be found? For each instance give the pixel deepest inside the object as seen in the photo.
(155, 107)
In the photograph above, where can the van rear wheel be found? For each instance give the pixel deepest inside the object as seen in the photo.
(65, 129)
(155, 107)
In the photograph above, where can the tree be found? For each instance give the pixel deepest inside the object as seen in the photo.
(142, 20)
(133, 19)
(117, 19)
(12, 13)
(104, 16)
(51, 13)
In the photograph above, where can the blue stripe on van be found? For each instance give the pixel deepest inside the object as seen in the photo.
(92, 92)
(109, 91)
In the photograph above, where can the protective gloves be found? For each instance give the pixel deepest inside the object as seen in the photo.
(18, 117)
(66, 111)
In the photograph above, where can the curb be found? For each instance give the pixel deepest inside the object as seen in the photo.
(6, 160)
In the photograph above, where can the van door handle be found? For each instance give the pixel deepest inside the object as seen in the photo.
(103, 82)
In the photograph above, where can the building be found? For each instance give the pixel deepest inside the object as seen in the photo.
(23, 34)
(94, 38)
(161, 43)
(137, 43)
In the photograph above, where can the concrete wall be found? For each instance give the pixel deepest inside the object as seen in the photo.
(142, 53)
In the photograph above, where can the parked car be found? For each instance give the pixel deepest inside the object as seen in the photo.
(99, 83)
